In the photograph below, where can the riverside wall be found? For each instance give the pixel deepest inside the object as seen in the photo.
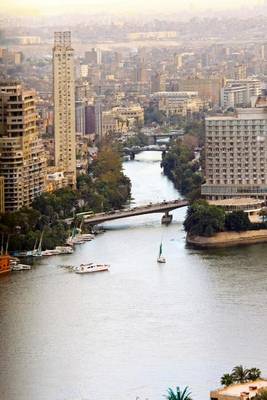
(225, 239)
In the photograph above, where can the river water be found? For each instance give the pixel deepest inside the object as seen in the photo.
(141, 327)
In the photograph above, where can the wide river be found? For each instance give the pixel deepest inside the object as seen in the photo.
(142, 327)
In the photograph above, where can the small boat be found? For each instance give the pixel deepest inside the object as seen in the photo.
(20, 267)
(64, 249)
(53, 252)
(91, 267)
(160, 258)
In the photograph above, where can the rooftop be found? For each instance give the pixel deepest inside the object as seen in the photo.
(244, 201)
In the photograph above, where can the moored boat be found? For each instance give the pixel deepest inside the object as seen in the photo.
(5, 265)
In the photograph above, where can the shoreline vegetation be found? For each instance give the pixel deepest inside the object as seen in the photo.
(104, 188)
(182, 168)
(209, 226)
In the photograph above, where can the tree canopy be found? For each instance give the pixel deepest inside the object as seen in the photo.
(203, 219)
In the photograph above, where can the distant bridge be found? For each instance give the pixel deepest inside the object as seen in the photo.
(132, 151)
(154, 136)
(164, 207)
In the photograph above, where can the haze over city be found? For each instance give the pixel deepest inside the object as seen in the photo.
(50, 7)
(133, 199)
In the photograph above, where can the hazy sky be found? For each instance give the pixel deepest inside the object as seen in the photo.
(37, 7)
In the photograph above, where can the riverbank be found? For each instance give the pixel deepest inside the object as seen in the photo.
(228, 239)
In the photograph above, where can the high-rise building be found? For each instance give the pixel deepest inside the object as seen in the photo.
(22, 160)
(240, 71)
(235, 154)
(98, 118)
(64, 106)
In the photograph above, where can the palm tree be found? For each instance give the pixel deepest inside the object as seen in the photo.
(240, 374)
(254, 373)
(180, 394)
(227, 379)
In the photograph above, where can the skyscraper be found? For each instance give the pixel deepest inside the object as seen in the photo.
(22, 160)
(64, 105)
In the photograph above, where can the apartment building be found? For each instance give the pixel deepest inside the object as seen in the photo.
(237, 93)
(64, 106)
(122, 119)
(207, 88)
(236, 154)
(22, 159)
(178, 103)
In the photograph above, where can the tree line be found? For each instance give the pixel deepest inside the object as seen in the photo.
(103, 188)
(203, 219)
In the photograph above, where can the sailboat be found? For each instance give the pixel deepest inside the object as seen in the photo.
(160, 258)
(38, 252)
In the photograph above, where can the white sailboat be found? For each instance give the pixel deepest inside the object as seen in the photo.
(160, 258)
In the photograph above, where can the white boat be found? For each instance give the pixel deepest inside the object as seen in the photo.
(85, 236)
(91, 267)
(160, 258)
(20, 267)
(53, 252)
(64, 249)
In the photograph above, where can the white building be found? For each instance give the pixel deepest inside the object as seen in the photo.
(237, 93)
(178, 103)
(236, 154)
(64, 105)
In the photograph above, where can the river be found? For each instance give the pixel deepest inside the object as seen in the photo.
(141, 327)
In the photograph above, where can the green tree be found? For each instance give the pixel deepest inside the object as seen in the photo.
(179, 394)
(227, 379)
(237, 221)
(203, 219)
(262, 395)
(254, 373)
(240, 374)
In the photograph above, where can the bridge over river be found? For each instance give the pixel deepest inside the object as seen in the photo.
(164, 207)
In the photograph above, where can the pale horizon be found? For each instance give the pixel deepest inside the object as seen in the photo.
(54, 7)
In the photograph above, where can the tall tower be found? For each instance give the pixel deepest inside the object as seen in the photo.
(64, 105)
(22, 160)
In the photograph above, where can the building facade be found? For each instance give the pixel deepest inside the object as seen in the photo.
(178, 103)
(22, 157)
(64, 105)
(239, 92)
(236, 155)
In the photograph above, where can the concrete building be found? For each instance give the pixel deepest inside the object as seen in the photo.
(80, 117)
(2, 194)
(122, 119)
(64, 105)
(242, 391)
(207, 88)
(236, 154)
(237, 93)
(240, 71)
(178, 103)
(22, 157)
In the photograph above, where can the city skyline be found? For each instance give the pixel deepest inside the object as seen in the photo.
(50, 7)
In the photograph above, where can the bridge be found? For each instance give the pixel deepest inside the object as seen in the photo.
(153, 136)
(132, 151)
(164, 207)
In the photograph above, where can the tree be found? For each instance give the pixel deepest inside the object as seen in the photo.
(203, 219)
(262, 395)
(227, 379)
(237, 221)
(179, 394)
(254, 373)
(240, 374)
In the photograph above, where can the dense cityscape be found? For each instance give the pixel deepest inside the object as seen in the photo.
(133, 143)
